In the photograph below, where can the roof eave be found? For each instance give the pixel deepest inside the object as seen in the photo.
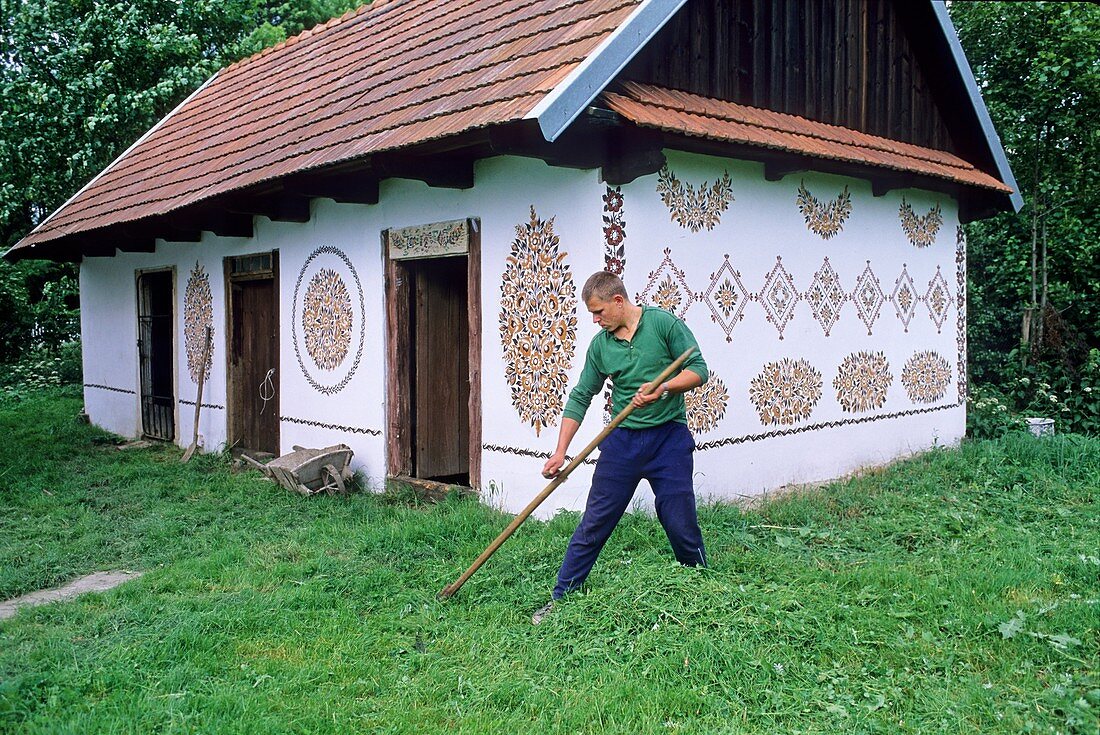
(992, 140)
(561, 106)
(12, 253)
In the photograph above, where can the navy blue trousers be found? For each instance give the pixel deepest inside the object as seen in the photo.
(663, 456)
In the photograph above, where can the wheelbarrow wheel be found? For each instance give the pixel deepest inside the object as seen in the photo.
(333, 481)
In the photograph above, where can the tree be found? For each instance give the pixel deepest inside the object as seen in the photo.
(1039, 72)
(80, 80)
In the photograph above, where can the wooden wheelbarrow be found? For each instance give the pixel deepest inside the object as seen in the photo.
(310, 471)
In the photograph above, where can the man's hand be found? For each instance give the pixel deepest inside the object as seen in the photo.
(553, 465)
(643, 397)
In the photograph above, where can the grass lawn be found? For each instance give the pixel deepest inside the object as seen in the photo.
(955, 593)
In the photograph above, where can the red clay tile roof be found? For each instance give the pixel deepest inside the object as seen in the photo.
(693, 115)
(390, 75)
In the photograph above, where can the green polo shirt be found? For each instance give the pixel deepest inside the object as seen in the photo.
(659, 339)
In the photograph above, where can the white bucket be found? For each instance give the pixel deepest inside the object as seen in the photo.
(1040, 427)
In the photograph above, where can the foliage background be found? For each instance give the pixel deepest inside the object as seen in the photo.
(1039, 72)
(80, 80)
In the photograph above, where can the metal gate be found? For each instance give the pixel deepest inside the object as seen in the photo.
(155, 343)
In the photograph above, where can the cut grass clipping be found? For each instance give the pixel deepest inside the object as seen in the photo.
(953, 593)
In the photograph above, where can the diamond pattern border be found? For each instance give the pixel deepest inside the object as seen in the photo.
(671, 294)
(905, 297)
(868, 297)
(726, 298)
(825, 296)
(938, 299)
(778, 296)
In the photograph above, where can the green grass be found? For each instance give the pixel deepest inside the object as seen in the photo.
(953, 593)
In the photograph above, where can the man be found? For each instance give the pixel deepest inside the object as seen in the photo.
(635, 345)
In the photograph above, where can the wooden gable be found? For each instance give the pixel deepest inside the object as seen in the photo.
(845, 62)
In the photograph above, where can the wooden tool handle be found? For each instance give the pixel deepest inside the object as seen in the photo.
(522, 516)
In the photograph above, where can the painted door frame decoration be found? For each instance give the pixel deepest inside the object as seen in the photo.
(439, 239)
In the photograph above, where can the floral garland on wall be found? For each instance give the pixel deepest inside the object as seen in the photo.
(920, 229)
(691, 208)
(198, 315)
(538, 322)
(614, 257)
(826, 220)
(960, 307)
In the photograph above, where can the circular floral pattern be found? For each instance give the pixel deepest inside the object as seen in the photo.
(926, 376)
(537, 322)
(327, 319)
(706, 405)
(862, 380)
(786, 392)
(198, 314)
(330, 298)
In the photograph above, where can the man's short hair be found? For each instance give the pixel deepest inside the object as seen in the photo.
(603, 285)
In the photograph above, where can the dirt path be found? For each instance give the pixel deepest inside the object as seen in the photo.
(95, 582)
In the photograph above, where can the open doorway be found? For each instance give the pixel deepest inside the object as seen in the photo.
(156, 353)
(433, 363)
(253, 354)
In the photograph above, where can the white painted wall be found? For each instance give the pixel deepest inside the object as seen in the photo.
(746, 457)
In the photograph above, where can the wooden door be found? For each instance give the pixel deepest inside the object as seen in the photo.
(156, 343)
(253, 363)
(440, 367)
(433, 356)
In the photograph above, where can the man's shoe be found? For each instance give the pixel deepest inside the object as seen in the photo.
(542, 612)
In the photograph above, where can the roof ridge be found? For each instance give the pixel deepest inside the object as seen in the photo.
(308, 32)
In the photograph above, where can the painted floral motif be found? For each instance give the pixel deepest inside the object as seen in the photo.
(825, 220)
(904, 297)
(938, 299)
(693, 208)
(706, 405)
(825, 296)
(425, 241)
(868, 297)
(537, 322)
(960, 312)
(614, 232)
(920, 229)
(778, 296)
(668, 289)
(198, 314)
(726, 296)
(786, 392)
(862, 380)
(327, 319)
(926, 376)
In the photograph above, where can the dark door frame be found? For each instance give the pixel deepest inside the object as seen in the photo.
(138, 275)
(232, 420)
(398, 294)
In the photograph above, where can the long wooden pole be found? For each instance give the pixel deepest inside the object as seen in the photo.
(198, 402)
(519, 519)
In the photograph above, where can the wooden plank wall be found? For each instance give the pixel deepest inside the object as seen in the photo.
(845, 62)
